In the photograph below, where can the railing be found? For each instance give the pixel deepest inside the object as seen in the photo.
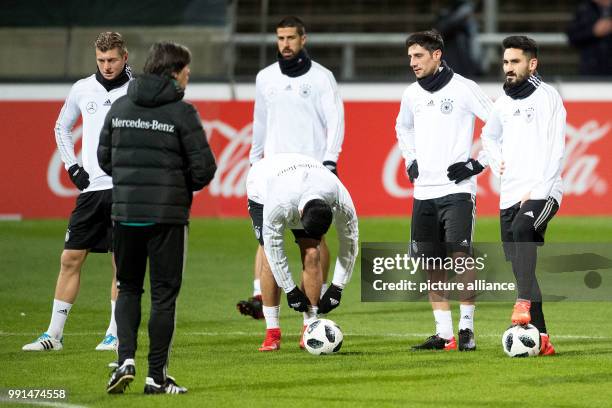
(349, 41)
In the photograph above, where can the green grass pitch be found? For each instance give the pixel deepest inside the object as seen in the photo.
(215, 349)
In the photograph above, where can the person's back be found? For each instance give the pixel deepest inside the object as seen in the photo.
(153, 130)
(154, 146)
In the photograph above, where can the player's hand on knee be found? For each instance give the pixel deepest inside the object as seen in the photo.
(413, 171)
(462, 170)
(79, 176)
(331, 166)
(297, 300)
(331, 299)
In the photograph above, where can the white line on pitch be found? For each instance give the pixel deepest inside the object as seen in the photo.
(352, 334)
(41, 403)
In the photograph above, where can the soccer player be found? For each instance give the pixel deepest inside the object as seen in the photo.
(89, 228)
(525, 139)
(153, 145)
(297, 110)
(295, 191)
(435, 129)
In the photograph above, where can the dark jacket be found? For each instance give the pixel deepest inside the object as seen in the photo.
(595, 53)
(153, 145)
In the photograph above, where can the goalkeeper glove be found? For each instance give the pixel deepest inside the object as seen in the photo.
(462, 170)
(297, 300)
(79, 176)
(413, 171)
(331, 299)
(331, 166)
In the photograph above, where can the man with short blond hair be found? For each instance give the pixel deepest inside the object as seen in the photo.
(89, 228)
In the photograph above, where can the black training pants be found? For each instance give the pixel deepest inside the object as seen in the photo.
(164, 246)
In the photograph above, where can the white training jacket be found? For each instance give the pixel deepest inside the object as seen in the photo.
(297, 115)
(90, 100)
(436, 129)
(528, 135)
(284, 183)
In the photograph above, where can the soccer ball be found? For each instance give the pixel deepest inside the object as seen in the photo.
(323, 337)
(521, 341)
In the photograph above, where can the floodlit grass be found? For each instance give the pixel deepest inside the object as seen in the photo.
(215, 349)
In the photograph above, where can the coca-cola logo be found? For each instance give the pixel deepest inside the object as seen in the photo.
(232, 155)
(579, 170)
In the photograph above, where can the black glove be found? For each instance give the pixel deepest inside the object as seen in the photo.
(331, 299)
(297, 300)
(79, 176)
(413, 171)
(460, 171)
(331, 166)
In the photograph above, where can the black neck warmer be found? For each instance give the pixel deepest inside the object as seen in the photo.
(524, 88)
(296, 66)
(438, 79)
(110, 84)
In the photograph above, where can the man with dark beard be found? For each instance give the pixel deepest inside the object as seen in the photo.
(297, 110)
(525, 141)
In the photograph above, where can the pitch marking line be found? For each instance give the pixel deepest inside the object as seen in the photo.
(352, 334)
(40, 403)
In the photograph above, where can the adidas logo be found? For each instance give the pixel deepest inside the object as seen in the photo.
(530, 214)
(469, 166)
(467, 317)
(63, 311)
(517, 113)
(334, 302)
(288, 87)
(465, 242)
(430, 103)
(107, 102)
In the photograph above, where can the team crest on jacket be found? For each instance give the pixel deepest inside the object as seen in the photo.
(446, 106)
(305, 90)
(91, 107)
(529, 114)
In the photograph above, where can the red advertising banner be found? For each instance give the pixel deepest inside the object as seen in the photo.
(34, 183)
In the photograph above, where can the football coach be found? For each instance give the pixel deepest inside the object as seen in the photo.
(153, 145)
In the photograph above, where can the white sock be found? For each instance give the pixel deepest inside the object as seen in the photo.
(58, 318)
(311, 315)
(444, 323)
(271, 314)
(112, 326)
(467, 317)
(323, 289)
(256, 287)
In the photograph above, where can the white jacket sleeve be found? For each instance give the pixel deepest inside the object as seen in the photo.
(491, 137)
(404, 129)
(333, 110)
(260, 117)
(63, 129)
(274, 247)
(555, 139)
(348, 236)
(482, 107)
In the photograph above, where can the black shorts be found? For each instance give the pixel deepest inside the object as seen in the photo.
(526, 223)
(442, 226)
(256, 213)
(90, 225)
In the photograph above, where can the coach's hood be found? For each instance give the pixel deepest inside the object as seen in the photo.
(154, 90)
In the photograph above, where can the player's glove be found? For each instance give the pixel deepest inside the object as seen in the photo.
(413, 171)
(462, 170)
(297, 300)
(331, 299)
(331, 166)
(79, 176)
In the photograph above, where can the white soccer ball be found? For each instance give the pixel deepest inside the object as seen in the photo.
(521, 341)
(323, 336)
